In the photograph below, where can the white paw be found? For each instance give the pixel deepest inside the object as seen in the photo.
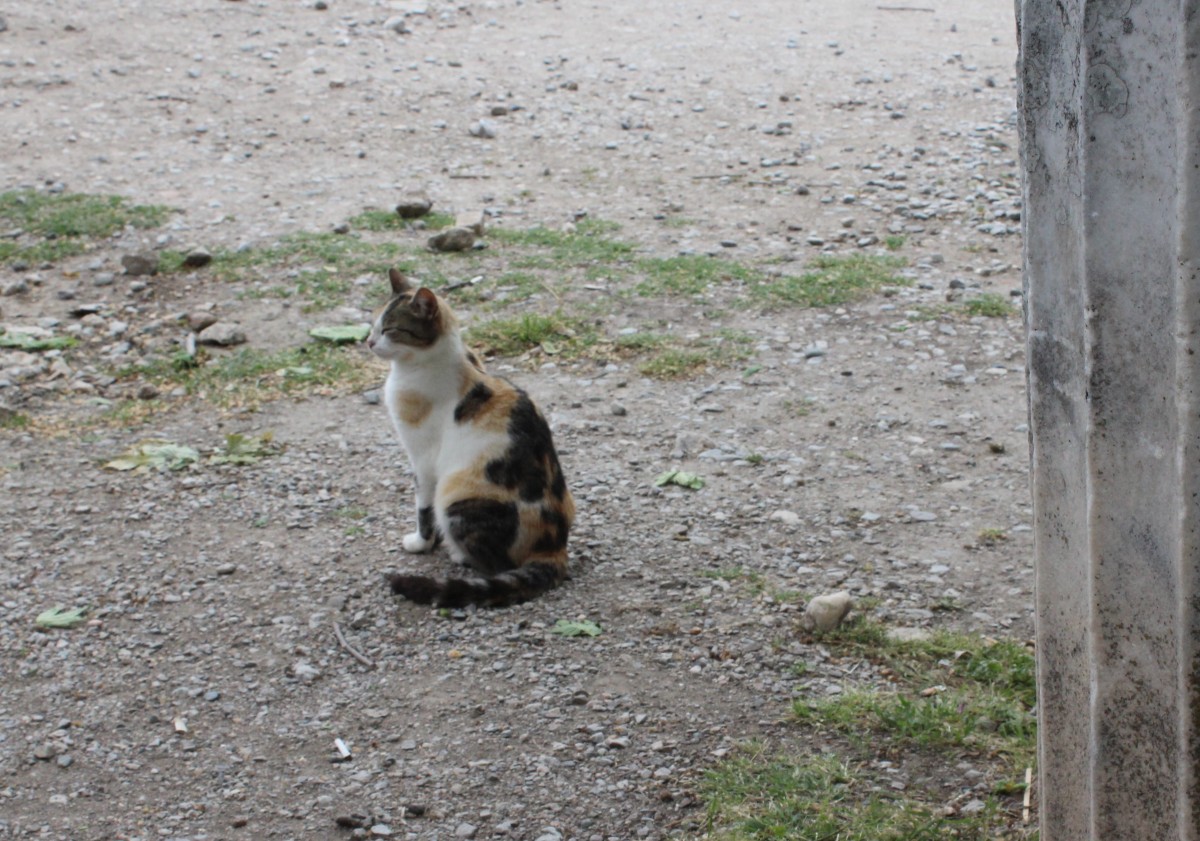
(457, 555)
(416, 544)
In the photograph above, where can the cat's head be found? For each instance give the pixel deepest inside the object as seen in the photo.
(413, 320)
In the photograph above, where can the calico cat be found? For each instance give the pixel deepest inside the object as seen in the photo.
(488, 478)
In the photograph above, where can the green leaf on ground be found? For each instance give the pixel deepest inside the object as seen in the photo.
(580, 628)
(341, 334)
(681, 478)
(246, 449)
(28, 341)
(159, 455)
(60, 617)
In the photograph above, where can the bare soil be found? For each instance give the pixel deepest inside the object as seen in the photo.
(877, 447)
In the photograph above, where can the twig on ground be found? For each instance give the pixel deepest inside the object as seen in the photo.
(1028, 795)
(354, 652)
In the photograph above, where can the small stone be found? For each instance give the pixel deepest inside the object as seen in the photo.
(226, 569)
(103, 279)
(413, 208)
(973, 807)
(143, 263)
(802, 190)
(619, 410)
(43, 752)
(453, 239)
(484, 129)
(824, 613)
(65, 761)
(222, 335)
(788, 518)
(381, 830)
(197, 258)
(465, 830)
(372, 397)
(341, 228)
(147, 392)
(397, 24)
(923, 516)
(499, 110)
(472, 220)
(239, 822)
(199, 320)
(212, 695)
(15, 287)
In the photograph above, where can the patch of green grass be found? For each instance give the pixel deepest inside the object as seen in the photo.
(588, 244)
(674, 361)
(833, 280)
(756, 797)
(689, 274)
(673, 364)
(678, 222)
(554, 334)
(989, 305)
(57, 225)
(893, 243)
(954, 695)
(801, 408)
(251, 377)
(388, 220)
(13, 420)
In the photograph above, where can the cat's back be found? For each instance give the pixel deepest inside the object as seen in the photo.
(523, 459)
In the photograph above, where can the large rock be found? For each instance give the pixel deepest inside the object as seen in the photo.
(222, 334)
(824, 613)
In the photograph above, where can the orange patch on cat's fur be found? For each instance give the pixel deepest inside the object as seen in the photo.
(470, 484)
(414, 407)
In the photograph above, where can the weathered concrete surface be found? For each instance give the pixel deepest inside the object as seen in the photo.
(1111, 150)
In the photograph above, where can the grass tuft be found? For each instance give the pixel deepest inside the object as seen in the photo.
(58, 225)
(989, 305)
(554, 334)
(953, 695)
(833, 280)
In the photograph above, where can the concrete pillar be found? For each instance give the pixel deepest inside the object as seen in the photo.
(1110, 137)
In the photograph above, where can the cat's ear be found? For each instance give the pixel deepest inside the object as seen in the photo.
(399, 282)
(424, 304)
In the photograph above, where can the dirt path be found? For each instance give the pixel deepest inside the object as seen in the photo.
(877, 447)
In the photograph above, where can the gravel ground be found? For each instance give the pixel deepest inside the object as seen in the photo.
(878, 448)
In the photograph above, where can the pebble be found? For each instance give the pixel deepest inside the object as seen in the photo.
(140, 264)
(824, 613)
(199, 320)
(103, 279)
(197, 258)
(619, 410)
(453, 239)
(414, 208)
(485, 129)
(222, 334)
(15, 287)
(788, 518)
(465, 830)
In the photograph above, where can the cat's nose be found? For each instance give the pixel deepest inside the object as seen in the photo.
(370, 343)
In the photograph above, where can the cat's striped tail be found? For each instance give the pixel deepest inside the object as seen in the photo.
(511, 587)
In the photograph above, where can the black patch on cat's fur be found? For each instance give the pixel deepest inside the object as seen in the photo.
(529, 463)
(425, 522)
(511, 587)
(558, 485)
(402, 326)
(472, 403)
(484, 529)
(555, 537)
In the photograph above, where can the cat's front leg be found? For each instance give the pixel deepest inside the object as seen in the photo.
(426, 536)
